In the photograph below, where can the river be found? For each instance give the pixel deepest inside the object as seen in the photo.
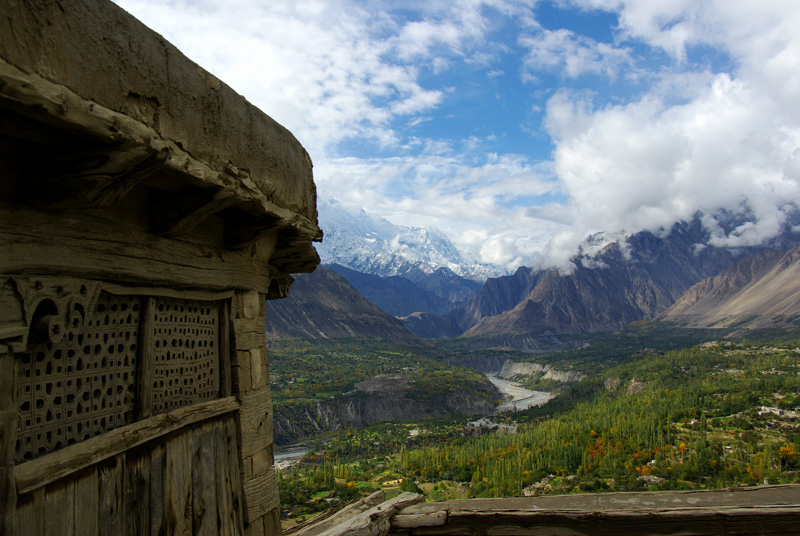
(521, 398)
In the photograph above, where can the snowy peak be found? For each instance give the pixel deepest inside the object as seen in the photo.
(375, 246)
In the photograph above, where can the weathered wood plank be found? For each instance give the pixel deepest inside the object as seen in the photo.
(229, 479)
(178, 484)
(136, 498)
(87, 502)
(163, 292)
(158, 520)
(41, 471)
(225, 349)
(365, 517)
(8, 490)
(31, 513)
(205, 503)
(59, 505)
(272, 521)
(31, 239)
(249, 333)
(8, 437)
(111, 519)
(261, 495)
(255, 421)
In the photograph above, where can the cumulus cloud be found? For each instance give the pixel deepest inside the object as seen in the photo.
(328, 70)
(730, 143)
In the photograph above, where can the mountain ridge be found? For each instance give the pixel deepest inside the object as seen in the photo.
(375, 246)
(323, 304)
(621, 283)
(761, 290)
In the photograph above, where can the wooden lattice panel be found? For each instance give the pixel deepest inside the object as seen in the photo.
(83, 385)
(185, 352)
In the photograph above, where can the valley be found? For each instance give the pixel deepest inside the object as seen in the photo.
(710, 415)
(660, 362)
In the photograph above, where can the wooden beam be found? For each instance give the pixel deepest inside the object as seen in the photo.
(99, 176)
(177, 213)
(145, 366)
(31, 239)
(42, 471)
(64, 111)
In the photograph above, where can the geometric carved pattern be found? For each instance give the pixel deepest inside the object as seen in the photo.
(185, 352)
(84, 384)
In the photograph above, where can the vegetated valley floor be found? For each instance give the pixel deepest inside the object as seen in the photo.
(658, 410)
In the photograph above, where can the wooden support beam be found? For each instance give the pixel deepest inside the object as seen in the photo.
(98, 176)
(175, 214)
(30, 239)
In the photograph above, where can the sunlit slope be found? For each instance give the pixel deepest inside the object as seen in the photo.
(760, 291)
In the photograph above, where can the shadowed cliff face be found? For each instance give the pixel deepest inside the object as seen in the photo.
(324, 305)
(382, 398)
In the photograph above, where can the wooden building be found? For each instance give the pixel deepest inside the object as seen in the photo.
(146, 213)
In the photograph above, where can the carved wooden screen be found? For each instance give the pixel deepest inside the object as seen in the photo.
(88, 383)
(83, 385)
(185, 352)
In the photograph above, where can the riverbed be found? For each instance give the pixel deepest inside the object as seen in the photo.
(518, 398)
(290, 456)
(521, 398)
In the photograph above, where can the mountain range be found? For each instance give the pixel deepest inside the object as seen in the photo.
(373, 245)
(638, 278)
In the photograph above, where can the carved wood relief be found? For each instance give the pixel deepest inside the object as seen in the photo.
(82, 384)
(97, 360)
(185, 353)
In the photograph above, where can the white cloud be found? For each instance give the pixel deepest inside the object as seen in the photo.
(329, 71)
(474, 204)
(730, 142)
(572, 55)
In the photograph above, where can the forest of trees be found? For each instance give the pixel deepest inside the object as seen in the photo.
(707, 416)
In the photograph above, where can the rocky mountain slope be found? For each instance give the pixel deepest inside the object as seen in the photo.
(633, 280)
(625, 281)
(324, 305)
(436, 292)
(760, 291)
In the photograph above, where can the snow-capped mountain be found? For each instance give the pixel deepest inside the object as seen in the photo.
(375, 246)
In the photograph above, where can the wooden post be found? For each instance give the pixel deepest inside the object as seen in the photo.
(251, 387)
(8, 440)
(225, 348)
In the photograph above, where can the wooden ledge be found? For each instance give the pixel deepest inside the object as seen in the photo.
(51, 467)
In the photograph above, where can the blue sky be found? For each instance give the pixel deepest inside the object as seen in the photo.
(520, 127)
